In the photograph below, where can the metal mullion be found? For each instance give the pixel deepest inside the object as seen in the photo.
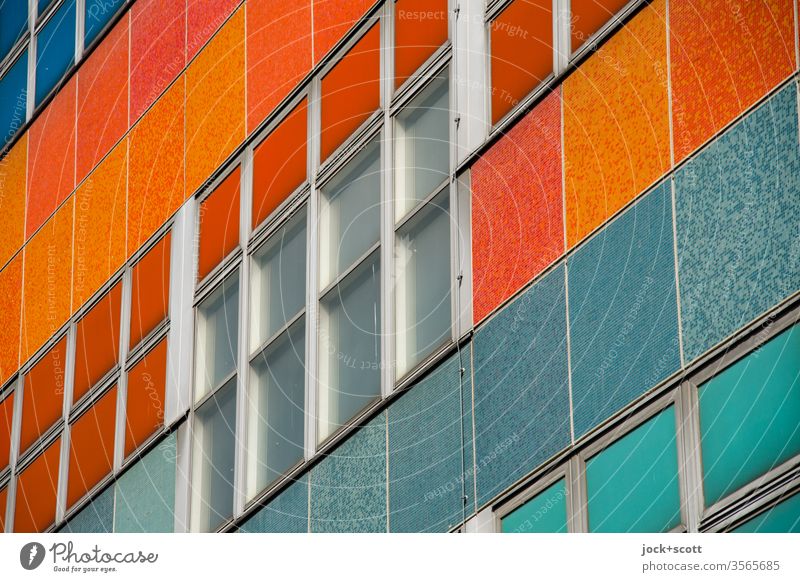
(386, 290)
(16, 51)
(43, 18)
(422, 78)
(422, 204)
(212, 392)
(339, 279)
(122, 384)
(16, 425)
(351, 147)
(690, 462)
(218, 275)
(280, 217)
(80, 28)
(578, 514)
(277, 334)
(69, 375)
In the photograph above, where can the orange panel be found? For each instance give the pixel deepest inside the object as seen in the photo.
(724, 58)
(51, 158)
(11, 292)
(103, 99)
(150, 290)
(420, 27)
(278, 53)
(351, 91)
(279, 163)
(215, 102)
(37, 487)
(203, 18)
(12, 199)
(616, 123)
(219, 223)
(522, 52)
(332, 20)
(43, 396)
(3, 500)
(100, 226)
(147, 381)
(48, 280)
(588, 16)
(6, 418)
(91, 447)
(155, 175)
(97, 342)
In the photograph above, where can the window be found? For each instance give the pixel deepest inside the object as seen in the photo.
(37, 487)
(97, 14)
(589, 16)
(217, 337)
(782, 518)
(749, 416)
(6, 419)
(420, 27)
(219, 223)
(546, 512)
(55, 49)
(43, 395)
(280, 163)
(13, 23)
(13, 96)
(632, 485)
(150, 290)
(97, 342)
(522, 52)
(144, 412)
(213, 459)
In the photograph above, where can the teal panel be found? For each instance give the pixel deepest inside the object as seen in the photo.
(750, 416)
(783, 518)
(286, 513)
(146, 492)
(544, 513)
(97, 517)
(348, 487)
(632, 486)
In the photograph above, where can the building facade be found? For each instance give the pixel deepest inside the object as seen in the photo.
(399, 266)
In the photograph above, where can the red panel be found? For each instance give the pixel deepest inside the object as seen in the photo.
(517, 209)
(97, 342)
(103, 99)
(278, 53)
(150, 290)
(6, 418)
(144, 412)
(204, 18)
(37, 486)
(588, 16)
(351, 91)
(43, 397)
(158, 50)
(91, 447)
(332, 20)
(420, 27)
(522, 52)
(51, 158)
(219, 223)
(279, 163)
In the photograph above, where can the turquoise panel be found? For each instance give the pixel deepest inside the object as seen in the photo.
(521, 386)
(632, 486)
(286, 513)
(750, 416)
(544, 513)
(97, 517)
(783, 518)
(348, 487)
(623, 310)
(430, 451)
(146, 492)
(737, 205)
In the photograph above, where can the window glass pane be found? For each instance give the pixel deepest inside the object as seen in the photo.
(783, 518)
(544, 513)
(423, 283)
(217, 336)
(55, 49)
(13, 96)
(98, 13)
(214, 446)
(276, 405)
(350, 213)
(150, 290)
(589, 16)
(279, 280)
(420, 27)
(35, 507)
(632, 486)
(97, 342)
(144, 412)
(219, 224)
(749, 416)
(350, 347)
(13, 23)
(43, 396)
(423, 147)
(6, 418)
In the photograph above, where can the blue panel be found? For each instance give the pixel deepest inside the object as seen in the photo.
(97, 14)
(13, 23)
(13, 96)
(55, 49)
(43, 4)
(97, 517)
(737, 208)
(783, 518)
(287, 513)
(623, 310)
(348, 487)
(426, 456)
(521, 387)
(146, 492)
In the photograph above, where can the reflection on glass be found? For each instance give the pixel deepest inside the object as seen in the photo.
(217, 336)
